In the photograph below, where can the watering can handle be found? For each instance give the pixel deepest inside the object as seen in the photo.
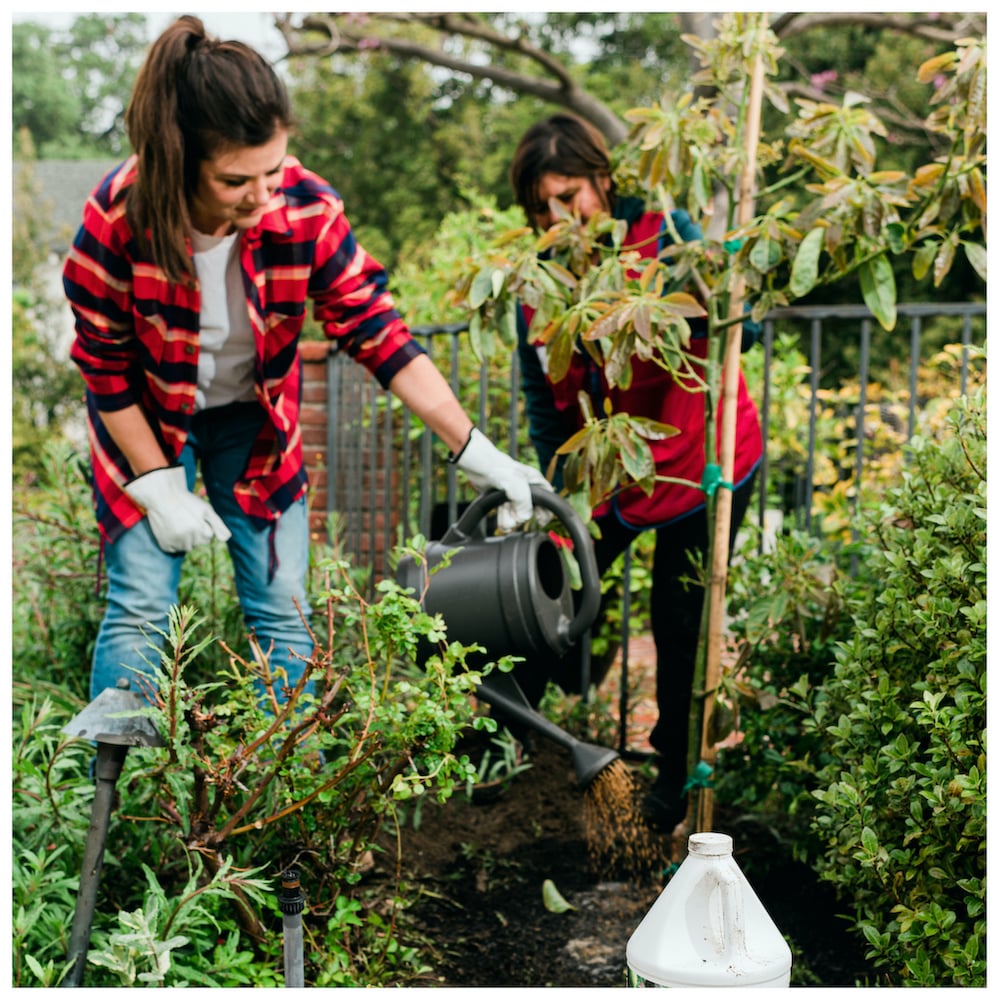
(583, 548)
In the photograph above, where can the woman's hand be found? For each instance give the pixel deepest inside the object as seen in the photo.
(486, 467)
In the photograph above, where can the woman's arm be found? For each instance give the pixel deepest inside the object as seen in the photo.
(130, 430)
(426, 393)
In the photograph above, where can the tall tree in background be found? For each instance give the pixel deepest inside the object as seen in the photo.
(406, 113)
(43, 100)
(492, 74)
(69, 87)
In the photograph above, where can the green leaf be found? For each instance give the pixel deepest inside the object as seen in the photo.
(477, 341)
(878, 287)
(552, 898)
(482, 288)
(896, 235)
(701, 186)
(869, 840)
(922, 260)
(506, 321)
(765, 254)
(805, 267)
(637, 459)
(975, 253)
(943, 261)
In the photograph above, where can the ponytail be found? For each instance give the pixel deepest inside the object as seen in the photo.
(192, 96)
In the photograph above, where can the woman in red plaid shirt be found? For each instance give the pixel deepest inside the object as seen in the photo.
(189, 281)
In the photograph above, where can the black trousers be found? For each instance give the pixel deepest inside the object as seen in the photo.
(675, 620)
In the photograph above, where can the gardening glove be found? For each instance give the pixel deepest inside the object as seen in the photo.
(486, 467)
(178, 519)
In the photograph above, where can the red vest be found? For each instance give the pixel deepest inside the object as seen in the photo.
(653, 393)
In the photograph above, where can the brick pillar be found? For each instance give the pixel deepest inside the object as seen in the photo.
(313, 419)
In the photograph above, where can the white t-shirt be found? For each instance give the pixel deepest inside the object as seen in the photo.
(226, 355)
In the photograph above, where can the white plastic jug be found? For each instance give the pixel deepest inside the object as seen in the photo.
(708, 928)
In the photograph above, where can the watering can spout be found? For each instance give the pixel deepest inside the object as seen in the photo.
(590, 760)
(504, 693)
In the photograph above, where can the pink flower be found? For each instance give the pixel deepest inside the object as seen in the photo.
(820, 81)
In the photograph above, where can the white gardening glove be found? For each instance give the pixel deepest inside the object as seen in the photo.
(486, 467)
(178, 519)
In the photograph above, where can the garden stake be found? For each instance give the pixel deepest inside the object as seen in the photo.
(723, 498)
(292, 901)
(113, 722)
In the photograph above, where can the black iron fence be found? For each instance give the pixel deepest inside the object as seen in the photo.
(908, 348)
(387, 481)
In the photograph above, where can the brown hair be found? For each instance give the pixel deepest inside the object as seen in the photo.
(193, 96)
(560, 144)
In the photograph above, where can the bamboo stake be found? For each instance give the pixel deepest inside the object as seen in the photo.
(727, 451)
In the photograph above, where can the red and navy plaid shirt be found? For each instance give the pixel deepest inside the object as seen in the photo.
(137, 333)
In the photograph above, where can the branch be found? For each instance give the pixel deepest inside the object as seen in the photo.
(554, 84)
(933, 27)
(890, 112)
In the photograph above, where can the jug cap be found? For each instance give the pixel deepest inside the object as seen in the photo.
(710, 845)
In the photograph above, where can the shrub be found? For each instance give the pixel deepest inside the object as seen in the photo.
(240, 791)
(59, 586)
(901, 804)
(57, 606)
(787, 615)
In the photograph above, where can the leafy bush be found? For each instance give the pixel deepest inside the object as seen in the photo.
(48, 825)
(57, 606)
(901, 800)
(59, 587)
(828, 473)
(241, 790)
(787, 615)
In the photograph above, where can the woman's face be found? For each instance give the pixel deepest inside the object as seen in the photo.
(236, 184)
(579, 195)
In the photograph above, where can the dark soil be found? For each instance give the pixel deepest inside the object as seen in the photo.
(481, 866)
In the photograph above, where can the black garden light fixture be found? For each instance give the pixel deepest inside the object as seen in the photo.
(113, 720)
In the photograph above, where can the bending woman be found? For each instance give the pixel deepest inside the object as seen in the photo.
(563, 159)
(189, 280)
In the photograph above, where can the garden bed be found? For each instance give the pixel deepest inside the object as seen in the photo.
(481, 866)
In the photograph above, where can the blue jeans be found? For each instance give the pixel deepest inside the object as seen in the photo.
(143, 579)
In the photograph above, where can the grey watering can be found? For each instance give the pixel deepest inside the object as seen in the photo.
(508, 593)
(511, 595)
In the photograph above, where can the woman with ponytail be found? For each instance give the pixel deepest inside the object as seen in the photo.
(189, 280)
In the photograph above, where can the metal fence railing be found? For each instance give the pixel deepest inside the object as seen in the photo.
(859, 322)
(386, 483)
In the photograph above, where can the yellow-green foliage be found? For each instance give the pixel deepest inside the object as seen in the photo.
(886, 425)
